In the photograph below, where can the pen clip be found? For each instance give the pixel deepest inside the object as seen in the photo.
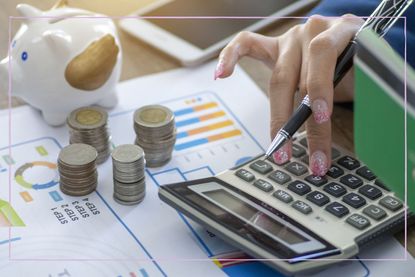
(385, 15)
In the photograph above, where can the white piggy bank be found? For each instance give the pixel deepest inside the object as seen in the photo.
(62, 62)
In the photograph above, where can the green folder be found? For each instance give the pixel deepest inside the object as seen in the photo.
(384, 120)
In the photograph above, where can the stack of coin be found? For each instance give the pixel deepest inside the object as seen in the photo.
(89, 125)
(156, 133)
(77, 169)
(128, 174)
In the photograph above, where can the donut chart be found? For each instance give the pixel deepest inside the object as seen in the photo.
(19, 175)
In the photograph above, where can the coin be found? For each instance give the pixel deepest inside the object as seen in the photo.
(128, 174)
(77, 169)
(87, 118)
(153, 116)
(77, 154)
(127, 153)
(155, 130)
(89, 125)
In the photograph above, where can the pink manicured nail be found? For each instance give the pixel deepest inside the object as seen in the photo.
(320, 111)
(318, 163)
(219, 70)
(282, 155)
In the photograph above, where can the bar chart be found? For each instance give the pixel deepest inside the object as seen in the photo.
(201, 121)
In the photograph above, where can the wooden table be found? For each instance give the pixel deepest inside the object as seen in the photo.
(140, 59)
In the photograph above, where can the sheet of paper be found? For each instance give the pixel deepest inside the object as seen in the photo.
(56, 235)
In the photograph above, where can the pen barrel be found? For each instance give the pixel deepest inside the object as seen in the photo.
(344, 62)
(297, 119)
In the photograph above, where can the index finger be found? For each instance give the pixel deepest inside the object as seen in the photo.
(246, 44)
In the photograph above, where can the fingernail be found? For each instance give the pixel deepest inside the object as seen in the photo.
(320, 111)
(219, 69)
(282, 155)
(318, 163)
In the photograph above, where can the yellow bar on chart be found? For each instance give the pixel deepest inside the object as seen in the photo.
(209, 127)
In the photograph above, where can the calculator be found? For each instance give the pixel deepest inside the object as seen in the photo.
(289, 219)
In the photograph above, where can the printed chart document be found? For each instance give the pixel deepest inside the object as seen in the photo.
(220, 124)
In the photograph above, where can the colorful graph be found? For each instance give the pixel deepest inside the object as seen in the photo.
(202, 123)
(20, 179)
(8, 216)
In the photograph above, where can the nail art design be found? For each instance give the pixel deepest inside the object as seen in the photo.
(282, 155)
(219, 69)
(318, 163)
(320, 111)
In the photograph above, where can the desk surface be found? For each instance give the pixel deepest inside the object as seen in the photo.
(140, 59)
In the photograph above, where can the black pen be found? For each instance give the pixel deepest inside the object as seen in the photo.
(385, 15)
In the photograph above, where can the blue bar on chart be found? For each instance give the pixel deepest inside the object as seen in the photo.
(198, 119)
(143, 272)
(55, 196)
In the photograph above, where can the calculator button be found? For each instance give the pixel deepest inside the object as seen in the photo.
(391, 203)
(358, 221)
(299, 187)
(354, 200)
(351, 181)
(370, 192)
(335, 172)
(318, 181)
(366, 173)
(296, 168)
(348, 162)
(302, 207)
(318, 198)
(283, 196)
(263, 185)
(261, 167)
(303, 142)
(305, 159)
(245, 175)
(374, 212)
(297, 150)
(337, 209)
(380, 184)
(334, 153)
(335, 189)
(279, 177)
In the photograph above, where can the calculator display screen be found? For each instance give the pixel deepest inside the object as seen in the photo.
(247, 222)
(257, 218)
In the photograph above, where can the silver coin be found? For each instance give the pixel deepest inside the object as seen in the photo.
(77, 192)
(128, 198)
(127, 153)
(128, 203)
(78, 154)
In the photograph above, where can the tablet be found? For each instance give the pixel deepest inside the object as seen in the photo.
(193, 40)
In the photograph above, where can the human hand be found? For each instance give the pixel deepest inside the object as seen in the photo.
(303, 59)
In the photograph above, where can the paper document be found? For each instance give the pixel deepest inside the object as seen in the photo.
(44, 232)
